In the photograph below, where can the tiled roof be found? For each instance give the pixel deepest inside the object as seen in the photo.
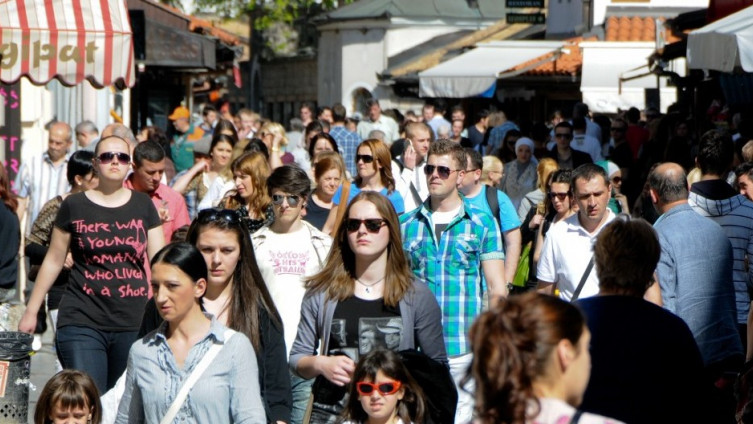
(207, 28)
(569, 63)
(635, 28)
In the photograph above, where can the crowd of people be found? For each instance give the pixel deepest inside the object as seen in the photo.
(393, 269)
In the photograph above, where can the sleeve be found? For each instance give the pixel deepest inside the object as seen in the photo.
(397, 202)
(276, 378)
(428, 324)
(491, 243)
(214, 194)
(63, 219)
(131, 408)
(337, 195)
(545, 270)
(308, 335)
(23, 181)
(507, 214)
(667, 276)
(245, 395)
(35, 252)
(152, 216)
(41, 230)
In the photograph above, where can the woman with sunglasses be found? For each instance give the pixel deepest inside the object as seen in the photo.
(374, 164)
(365, 284)
(559, 207)
(237, 297)
(383, 391)
(109, 231)
(163, 361)
(250, 198)
(531, 362)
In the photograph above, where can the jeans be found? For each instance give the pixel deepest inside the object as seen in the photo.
(101, 354)
(458, 369)
(301, 389)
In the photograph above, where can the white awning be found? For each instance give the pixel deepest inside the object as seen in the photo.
(604, 63)
(476, 71)
(724, 44)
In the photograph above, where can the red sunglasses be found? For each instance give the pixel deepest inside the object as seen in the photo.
(384, 389)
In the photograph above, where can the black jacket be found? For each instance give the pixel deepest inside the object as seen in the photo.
(579, 158)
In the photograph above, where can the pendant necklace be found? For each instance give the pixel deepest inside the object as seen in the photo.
(367, 287)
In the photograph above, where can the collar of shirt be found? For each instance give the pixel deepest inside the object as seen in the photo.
(216, 330)
(160, 193)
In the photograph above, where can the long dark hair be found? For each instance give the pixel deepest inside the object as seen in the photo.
(81, 164)
(337, 274)
(249, 291)
(512, 346)
(411, 408)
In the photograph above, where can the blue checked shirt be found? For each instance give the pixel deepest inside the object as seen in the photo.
(451, 266)
(347, 143)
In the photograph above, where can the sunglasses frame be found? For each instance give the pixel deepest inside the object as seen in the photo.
(368, 223)
(560, 196)
(365, 158)
(377, 387)
(114, 156)
(444, 172)
(293, 199)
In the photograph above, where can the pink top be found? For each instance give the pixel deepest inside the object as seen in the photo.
(171, 207)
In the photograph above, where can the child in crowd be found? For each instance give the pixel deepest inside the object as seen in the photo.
(69, 397)
(382, 391)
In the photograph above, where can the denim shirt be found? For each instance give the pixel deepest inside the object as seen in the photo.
(695, 276)
(227, 392)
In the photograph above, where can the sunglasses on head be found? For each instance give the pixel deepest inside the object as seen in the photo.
(372, 225)
(561, 196)
(443, 171)
(292, 199)
(217, 214)
(107, 157)
(365, 158)
(366, 389)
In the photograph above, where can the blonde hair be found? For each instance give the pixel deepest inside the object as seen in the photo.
(544, 169)
(256, 166)
(275, 128)
(491, 163)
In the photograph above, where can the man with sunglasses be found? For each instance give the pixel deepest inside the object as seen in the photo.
(148, 169)
(287, 252)
(566, 261)
(566, 157)
(476, 193)
(451, 245)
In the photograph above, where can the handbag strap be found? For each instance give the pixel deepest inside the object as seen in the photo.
(194, 377)
(583, 279)
(576, 416)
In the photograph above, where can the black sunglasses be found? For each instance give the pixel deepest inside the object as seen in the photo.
(443, 171)
(293, 200)
(372, 225)
(217, 214)
(107, 157)
(561, 196)
(365, 158)
(562, 135)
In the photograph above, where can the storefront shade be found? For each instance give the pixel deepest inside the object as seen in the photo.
(70, 40)
(723, 45)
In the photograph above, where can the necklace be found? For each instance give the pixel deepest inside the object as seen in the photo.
(367, 287)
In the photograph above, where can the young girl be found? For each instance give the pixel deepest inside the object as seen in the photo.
(383, 392)
(69, 397)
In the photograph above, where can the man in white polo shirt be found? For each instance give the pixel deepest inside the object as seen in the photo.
(567, 255)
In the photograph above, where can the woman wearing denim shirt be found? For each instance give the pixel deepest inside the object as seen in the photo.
(161, 362)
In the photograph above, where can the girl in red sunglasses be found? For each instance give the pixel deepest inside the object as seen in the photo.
(382, 391)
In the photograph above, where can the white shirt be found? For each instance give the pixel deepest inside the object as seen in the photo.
(402, 184)
(217, 190)
(567, 250)
(587, 144)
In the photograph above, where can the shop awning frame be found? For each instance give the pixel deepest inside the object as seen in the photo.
(723, 45)
(70, 40)
(475, 72)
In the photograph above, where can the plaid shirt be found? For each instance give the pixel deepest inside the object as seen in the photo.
(347, 142)
(451, 266)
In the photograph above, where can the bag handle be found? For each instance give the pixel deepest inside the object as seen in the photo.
(583, 279)
(194, 377)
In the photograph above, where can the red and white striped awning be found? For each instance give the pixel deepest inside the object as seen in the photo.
(66, 39)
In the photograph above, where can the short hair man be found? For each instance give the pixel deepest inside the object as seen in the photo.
(434, 117)
(451, 245)
(408, 168)
(695, 270)
(210, 117)
(287, 252)
(583, 142)
(714, 198)
(476, 193)
(640, 353)
(744, 174)
(86, 133)
(346, 140)
(376, 120)
(186, 134)
(566, 257)
(592, 128)
(42, 177)
(562, 152)
(148, 168)
(476, 131)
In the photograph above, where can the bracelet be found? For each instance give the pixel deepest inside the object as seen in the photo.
(275, 149)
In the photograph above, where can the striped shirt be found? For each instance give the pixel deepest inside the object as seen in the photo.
(40, 180)
(451, 266)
